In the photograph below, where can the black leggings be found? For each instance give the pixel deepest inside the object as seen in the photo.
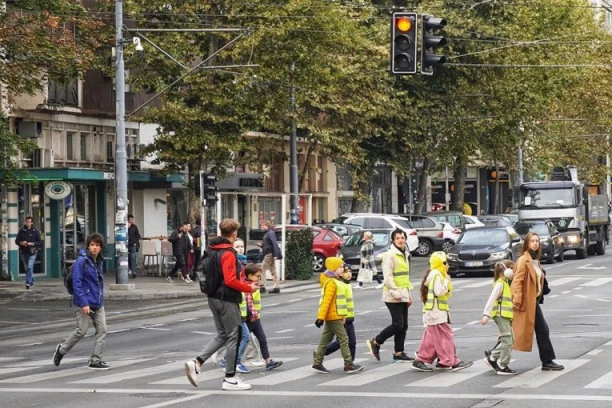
(398, 326)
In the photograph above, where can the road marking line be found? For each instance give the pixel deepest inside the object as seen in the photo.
(561, 281)
(478, 368)
(295, 374)
(478, 284)
(605, 381)
(130, 375)
(284, 331)
(371, 375)
(597, 282)
(536, 377)
(594, 352)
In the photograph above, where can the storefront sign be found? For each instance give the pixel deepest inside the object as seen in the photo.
(58, 190)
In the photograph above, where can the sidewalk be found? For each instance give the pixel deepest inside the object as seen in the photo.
(146, 287)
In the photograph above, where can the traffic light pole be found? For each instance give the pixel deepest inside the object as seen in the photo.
(293, 169)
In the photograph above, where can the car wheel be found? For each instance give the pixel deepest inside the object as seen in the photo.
(447, 246)
(551, 255)
(425, 248)
(318, 263)
(561, 255)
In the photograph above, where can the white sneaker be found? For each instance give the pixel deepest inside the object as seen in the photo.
(192, 372)
(169, 279)
(188, 281)
(357, 286)
(380, 286)
(234, 384)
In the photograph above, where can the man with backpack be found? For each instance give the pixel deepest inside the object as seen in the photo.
(223, 302)
(88, 297)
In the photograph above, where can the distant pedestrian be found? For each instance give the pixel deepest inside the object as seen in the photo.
(349, 321)
(332, 313)
(29, 242)
(396, 295)
(180, 249)
(437, 341)
(271, 253)
(527, 290)
(368, 262)
(88, 297)
(133, 245)
(197, 246)
(223, 304)
(499, 307)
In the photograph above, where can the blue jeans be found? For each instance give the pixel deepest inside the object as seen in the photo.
(132, 260)
(244, 341)
(28, 262)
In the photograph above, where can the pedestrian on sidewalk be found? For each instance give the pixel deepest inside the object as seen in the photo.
(271, 252)
(528, 288)
(197, 246)
(133, 245)
(396, 295)
(499, 307)
(437, 341)
(88, 297)
(368, 263)
(223, 304)
(180, 248)
(332, 313)
(349, 326)
(29, 242)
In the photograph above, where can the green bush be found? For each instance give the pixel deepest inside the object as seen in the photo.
(298, 255)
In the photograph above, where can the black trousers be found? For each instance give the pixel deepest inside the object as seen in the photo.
(179, 264)
(545, 347)
(398, 326)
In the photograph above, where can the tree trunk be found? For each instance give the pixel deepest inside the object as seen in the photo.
(307, 158)
(458, 195)
(362, 195)
(421, 204)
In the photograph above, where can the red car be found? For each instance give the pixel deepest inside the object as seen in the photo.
(325, 243)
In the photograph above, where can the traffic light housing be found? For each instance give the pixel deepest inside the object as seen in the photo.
(429, 42)
(403, 43)
(210, 189)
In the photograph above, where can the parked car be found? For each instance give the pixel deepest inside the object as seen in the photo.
(431, 234)
(454, 218)
(495, 220)
(451, 235)
(472, 221)
(325, 243)
(479, 249)
(369, 221)
(551, 240)
(351, 251)
(344, 230)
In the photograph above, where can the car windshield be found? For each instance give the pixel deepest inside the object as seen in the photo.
(353, 240)
(524, 227)
(543, 198)
(484, 237)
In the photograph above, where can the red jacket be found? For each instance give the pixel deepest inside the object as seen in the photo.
(233, 274)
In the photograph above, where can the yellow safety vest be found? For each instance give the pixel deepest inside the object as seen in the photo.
(256, 302)
(341, 305)
(503, 308)
(350, 304)
(401, 274)
(442, 300)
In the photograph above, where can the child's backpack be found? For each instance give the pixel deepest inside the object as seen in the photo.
(208, 271)
(67, 275)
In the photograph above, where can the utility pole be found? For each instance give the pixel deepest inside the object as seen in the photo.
(293, 180)
(5, 227)
(120, 155)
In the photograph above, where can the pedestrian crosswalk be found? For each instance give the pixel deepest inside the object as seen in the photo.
(460, 284)
(158, 373)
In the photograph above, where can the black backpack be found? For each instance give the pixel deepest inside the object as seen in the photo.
(67, 275)
(208, 271)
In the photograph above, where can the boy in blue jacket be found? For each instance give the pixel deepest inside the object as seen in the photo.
(88, 297)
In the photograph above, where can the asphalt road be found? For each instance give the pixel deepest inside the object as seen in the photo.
(148, 342)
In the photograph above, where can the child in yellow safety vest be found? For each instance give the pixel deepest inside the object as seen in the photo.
(350, 317)
(437, 341)
(499, 307)
(332, 313)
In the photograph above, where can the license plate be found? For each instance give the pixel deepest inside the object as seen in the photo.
(475, 263)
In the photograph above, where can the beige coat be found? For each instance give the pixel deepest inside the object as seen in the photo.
(391, 293)
(524, 289)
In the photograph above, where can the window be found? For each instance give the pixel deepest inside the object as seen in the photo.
(70, 145)
(427, 222)
(359, 221)
(84, 146)
(377, 223)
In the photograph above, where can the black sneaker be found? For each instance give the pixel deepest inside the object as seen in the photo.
(319, 368)
(506, 371)
(57, 356)
(421, 366)
(443, 367)
(275, 290)
(99, 365)
(491, 363)
(262, 290)
(352, 368)
(374, 348)
(403, 357)
(461, 365)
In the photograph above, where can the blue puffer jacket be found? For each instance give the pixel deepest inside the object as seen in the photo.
(88, 281)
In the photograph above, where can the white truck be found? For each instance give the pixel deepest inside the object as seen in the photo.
(581, 218)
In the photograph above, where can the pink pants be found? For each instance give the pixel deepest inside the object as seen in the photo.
(438, 342)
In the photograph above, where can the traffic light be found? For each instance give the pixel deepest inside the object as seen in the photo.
(210, 189)
(403, 43)
(429, 42)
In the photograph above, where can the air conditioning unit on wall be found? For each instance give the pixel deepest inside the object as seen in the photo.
(29, 129)
(43, 158)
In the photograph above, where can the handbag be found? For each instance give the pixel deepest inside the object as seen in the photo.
(364, 275)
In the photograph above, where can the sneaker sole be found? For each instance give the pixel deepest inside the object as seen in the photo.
(354, 371)
(490, 365)
(423, 370)
(188, 373)
(503, 373)
(320, 372)
(462, 368)
(369, 343)
(553, 369)
(99, 368)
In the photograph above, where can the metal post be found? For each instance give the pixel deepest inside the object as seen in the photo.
(5, 227)
(447, 193)
(120, 156)
(520, 164)
(608, 168)
(293, 181)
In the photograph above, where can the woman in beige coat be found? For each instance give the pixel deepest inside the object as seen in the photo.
(527, 285)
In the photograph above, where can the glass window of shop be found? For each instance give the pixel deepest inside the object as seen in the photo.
(30, 203)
